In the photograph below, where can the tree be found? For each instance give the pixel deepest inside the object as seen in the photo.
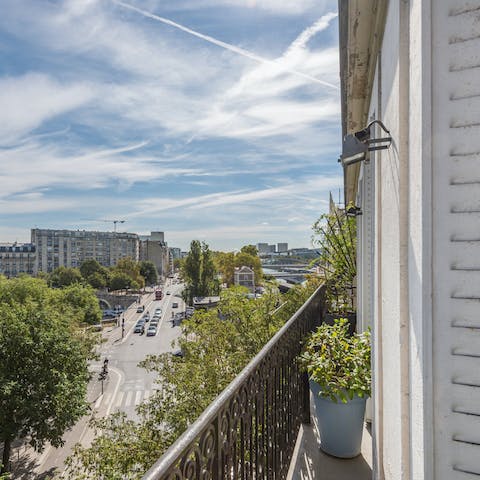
(89, 267)
(84, 303)
(43, 372)
(64, 276)
(208, 281)
(225, 265)
(148, 271)
(120, 281)
(250, 250)
(215, 351)
(95, 274)
(97, 280)
(131, 268)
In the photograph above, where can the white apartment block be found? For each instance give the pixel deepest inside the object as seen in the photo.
(17, 258)
(69, 248)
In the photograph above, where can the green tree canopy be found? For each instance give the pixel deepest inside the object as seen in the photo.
(89, 267)
(83, 302)
(120, 281)
(43, 372)
(130, 268)
(97, 280)
(95, 274)
(215, 351)
(199, 273)
(148, 271)
(250, 250)
(64, 276)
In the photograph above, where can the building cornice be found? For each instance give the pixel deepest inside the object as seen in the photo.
(361, 25)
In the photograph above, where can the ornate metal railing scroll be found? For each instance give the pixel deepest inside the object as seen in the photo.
(250, 430)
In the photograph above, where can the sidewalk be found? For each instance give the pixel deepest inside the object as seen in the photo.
(30, 465)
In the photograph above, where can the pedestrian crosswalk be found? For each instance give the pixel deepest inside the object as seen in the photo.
(123, 399)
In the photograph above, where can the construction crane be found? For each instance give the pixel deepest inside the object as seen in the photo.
(114, 223)
(107, 221)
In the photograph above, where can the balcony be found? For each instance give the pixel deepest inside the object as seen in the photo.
(260, 426)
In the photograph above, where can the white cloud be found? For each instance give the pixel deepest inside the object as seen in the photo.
(278, 7)
(29, 100)
(33, 166)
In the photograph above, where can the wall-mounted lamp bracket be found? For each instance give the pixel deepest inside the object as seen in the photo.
(356, 145)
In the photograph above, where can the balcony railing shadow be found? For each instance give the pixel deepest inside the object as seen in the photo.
(310, 463)
(250, 431)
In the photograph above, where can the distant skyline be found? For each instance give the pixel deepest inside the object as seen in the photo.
(216, 120)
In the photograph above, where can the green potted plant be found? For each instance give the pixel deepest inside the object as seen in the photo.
(335, 234)
(338, 366)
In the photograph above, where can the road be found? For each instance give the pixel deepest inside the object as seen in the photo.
(127, 385)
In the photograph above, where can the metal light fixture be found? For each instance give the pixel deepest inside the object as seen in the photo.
(353, 211)
(357, 145)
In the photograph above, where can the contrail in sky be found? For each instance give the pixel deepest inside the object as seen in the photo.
(225, 45)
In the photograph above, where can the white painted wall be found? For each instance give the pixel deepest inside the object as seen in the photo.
(426, 254)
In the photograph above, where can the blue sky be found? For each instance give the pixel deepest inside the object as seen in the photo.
(216, 120)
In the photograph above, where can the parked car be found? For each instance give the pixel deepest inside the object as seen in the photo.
(109, 314)
(140, 309)
(152, 331)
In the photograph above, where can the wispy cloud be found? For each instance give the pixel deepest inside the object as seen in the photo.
(30, 100)
(107, 111)
(241, 51)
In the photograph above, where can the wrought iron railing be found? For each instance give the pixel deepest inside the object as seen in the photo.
(250, 430)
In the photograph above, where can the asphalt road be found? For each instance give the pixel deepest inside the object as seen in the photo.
(127, 385)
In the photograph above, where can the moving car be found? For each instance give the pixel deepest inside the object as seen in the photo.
(140, 309)
(152, 331)
(168, 292)
(158, 311)
(154, 322)
(174, 305)
(139, 328)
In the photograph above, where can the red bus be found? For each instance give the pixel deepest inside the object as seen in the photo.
(158, 294)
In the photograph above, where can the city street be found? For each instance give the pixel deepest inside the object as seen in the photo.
(126, 385)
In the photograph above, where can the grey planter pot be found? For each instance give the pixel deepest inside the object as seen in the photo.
(340, 424)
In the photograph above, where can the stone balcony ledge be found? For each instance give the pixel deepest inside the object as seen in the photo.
(310, 463)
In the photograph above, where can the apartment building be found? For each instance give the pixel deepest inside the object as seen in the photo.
(153, 248)
(17, 258)
(69, 248)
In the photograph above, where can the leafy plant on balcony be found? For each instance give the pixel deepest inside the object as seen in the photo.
(335, 234)
(338, 362)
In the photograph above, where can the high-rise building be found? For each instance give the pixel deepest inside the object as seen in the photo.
(282, 247)
(17, 258)
(153, 248)
(69, 248)
(262, 248)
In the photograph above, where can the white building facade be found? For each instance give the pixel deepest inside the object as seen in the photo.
(415, 65)
(69, 248)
